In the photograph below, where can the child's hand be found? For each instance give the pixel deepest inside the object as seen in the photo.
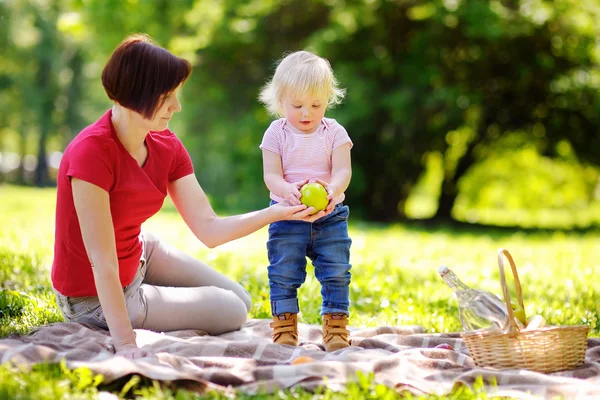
(330, 195)
(292, 192)
(285, 211)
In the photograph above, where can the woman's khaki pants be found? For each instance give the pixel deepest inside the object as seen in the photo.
(170, 291)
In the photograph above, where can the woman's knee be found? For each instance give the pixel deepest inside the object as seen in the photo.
(234, 311)
(215, 310)
(239, 316)
(246, 299)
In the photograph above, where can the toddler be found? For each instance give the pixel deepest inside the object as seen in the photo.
(303, 146)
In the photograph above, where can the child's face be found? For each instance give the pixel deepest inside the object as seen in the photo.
(305, 114)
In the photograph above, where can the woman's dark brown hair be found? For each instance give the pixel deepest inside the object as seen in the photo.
(139, 73)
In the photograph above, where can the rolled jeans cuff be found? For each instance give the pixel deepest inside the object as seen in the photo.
(334, 308)
(279, 307)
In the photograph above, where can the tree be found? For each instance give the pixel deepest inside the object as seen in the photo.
(47, 86)
(225, 120)
(451, 79)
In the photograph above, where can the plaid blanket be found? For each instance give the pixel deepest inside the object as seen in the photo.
(404, 358)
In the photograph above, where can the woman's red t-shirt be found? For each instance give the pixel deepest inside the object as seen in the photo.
(136, 193)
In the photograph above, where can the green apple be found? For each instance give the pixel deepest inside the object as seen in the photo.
(519, 313)
(314, 195)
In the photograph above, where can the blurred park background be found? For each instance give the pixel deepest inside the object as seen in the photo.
(477, 111)
(484, 113)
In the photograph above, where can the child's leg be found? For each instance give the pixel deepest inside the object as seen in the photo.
(286, 247)
(288, 241)
(330, 253)
(180, 292)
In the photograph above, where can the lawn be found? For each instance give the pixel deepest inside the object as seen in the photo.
(394, 282)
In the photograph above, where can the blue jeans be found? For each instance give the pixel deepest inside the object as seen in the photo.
(327, 244)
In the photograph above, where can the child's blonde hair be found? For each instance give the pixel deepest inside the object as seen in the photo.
(300, 74)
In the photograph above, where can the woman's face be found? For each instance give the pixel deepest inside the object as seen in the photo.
(163, 115)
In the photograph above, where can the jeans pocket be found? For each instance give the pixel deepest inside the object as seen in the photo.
(138, 278)
(98, 315)
(341, 214)
(74, 308)
(143, 268)
(137, 309)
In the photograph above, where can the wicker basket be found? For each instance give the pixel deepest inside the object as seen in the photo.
(545, 349)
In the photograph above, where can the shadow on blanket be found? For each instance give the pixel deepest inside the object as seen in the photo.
(399, 357)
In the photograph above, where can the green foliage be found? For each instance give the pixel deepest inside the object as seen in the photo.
(26, 297)
(416, 75)
(13, 304)
(225, 120)
(47, 382)
(492, 69)
(448, 80)
(515, 186)
(394, 282)
(56, 381)
(520, 186)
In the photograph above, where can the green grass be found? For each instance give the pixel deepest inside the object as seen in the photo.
(394, 282)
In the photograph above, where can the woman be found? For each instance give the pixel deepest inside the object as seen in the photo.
(115, 175)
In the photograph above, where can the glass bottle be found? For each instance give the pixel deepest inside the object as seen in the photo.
(478, 309)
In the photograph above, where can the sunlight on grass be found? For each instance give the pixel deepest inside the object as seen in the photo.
(525, 189)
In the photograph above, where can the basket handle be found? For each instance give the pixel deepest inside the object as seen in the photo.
(511, 316)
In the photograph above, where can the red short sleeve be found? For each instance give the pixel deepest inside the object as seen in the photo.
(182, 163)
(90, 160)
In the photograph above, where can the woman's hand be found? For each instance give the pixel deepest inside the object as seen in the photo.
(284, 211)
(330, 195)
(291, 192)
(131, 352)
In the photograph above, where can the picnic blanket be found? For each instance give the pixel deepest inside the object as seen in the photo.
(247, 361)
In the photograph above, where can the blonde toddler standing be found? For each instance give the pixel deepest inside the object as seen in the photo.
(303, 146)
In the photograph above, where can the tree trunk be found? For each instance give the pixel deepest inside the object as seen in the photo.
(41, 178)
(73, 118)
(449, 191)
(46, 52)
(45, 120)
(23, 153)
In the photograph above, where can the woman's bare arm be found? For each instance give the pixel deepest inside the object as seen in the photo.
(195, 209)
(93, 211)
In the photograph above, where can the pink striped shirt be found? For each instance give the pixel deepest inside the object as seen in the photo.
(305, 155)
